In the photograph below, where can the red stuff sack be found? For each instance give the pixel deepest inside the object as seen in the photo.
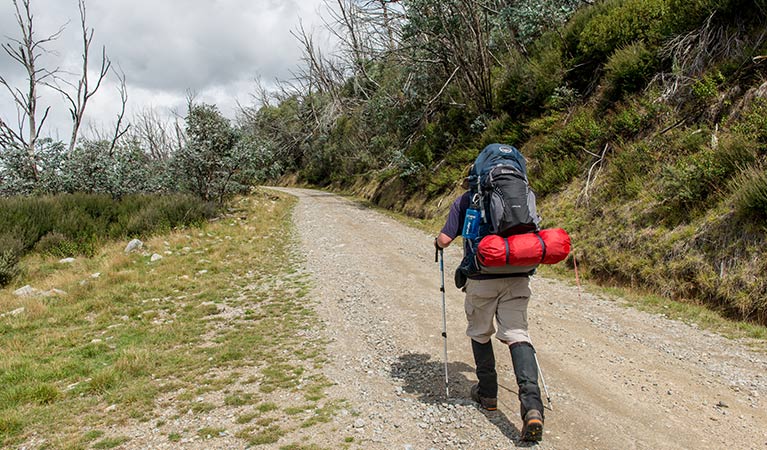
(557, 245)
(544, 247)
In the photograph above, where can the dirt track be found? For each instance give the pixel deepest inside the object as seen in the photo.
(618, 378)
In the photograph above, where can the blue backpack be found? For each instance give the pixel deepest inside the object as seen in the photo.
(502, 203)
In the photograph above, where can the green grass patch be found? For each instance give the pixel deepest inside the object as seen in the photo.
(92, 435)
(301, 447)
(247, 418)
(240, 399)
(266, 407)
(110, 442)
(294, 410)
(268, 435)
(210, 432)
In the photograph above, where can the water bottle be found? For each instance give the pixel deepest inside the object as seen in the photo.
(471, 224)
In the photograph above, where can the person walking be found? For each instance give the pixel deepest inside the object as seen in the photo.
(503, 299)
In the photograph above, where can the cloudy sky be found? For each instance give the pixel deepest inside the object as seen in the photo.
(166, 47)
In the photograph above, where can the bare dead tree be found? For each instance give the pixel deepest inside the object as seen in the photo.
(694, 52)
(83, 89)
(366, 31)
(120, 131)
(26, 51)
(388, 23)
(457, 34)
(160, 136)
(321, 74)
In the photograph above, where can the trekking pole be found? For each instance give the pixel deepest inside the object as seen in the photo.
(439, 257)
(543, 380)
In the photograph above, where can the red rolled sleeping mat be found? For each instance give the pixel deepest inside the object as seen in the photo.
(543, 247)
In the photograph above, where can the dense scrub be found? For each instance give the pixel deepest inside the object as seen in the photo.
(76, 224)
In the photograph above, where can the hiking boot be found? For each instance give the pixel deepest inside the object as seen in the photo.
(532, 429)
(488, 403)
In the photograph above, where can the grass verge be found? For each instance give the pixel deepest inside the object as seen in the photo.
(219, 326)
(689, 312)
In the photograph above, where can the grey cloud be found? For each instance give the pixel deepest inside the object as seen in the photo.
(201, 43)
(168, 46)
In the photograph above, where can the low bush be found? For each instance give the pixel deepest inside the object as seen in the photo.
(628, 171)
(501, 130)
(701, 172)
(753, 122)
(56, 244)
(596, 32)
(685, 15)
(558, 154)
(529, 82)
(750, 193)
(10, 253)
(627, 71)
(686, 185)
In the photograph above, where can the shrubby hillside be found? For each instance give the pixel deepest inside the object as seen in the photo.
(643, 122)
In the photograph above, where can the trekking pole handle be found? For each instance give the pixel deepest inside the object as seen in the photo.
(437, 251)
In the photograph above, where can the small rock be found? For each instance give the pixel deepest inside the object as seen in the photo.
(359, 423)
(96, 275)
(202, 272)
(111, 408)
(67, 261)
(722, 404)
(26, 291)
(134, 245)
(155, 257)
(15, 312)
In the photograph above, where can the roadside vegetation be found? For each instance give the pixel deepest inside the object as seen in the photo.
(643, 123)
(218, 327)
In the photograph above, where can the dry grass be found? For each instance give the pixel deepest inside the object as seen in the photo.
(213, 318)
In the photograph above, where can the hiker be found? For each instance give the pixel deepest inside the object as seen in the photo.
(503, 298)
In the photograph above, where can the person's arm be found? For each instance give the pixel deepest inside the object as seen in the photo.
(452, 226)
(443, 240)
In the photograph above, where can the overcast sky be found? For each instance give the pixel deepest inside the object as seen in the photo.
(166, 47)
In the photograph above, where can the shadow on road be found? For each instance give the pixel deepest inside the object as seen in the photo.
(425, 378)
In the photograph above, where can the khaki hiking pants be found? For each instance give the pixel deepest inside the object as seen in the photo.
(502, 299)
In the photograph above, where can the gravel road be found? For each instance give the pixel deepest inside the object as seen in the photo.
(618, 378)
